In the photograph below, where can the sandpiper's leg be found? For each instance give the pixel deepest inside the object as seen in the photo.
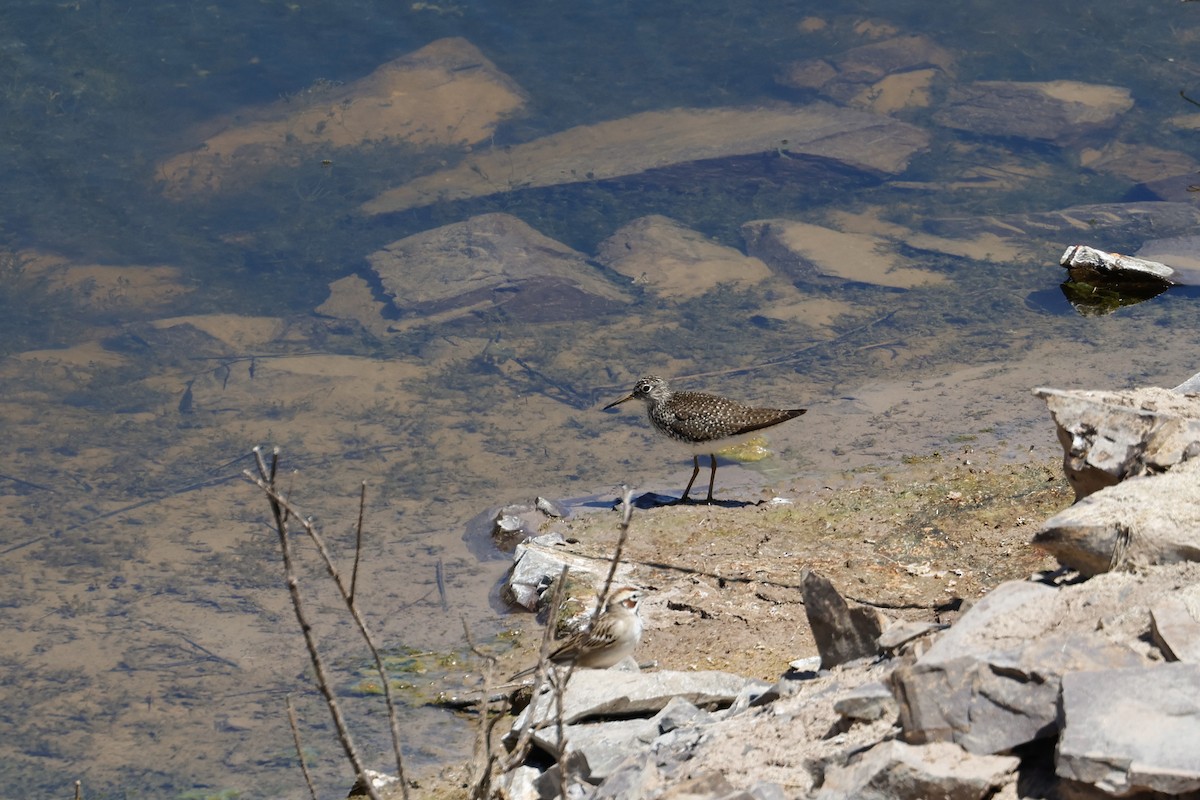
(695, 472)
(712, 478)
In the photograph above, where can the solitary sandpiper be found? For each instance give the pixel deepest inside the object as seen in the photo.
(704, 422)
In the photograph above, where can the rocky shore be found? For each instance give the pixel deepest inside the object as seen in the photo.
(1075, 682)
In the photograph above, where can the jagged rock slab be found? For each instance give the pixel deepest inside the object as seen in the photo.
(818, 254)
(1085, 263)
(1056, 111)
(894, 770)
(840, 139)
(1175, 625)
(604, 745)
(902, 632)
(446, 94)
(882, 76)
(492, 261)
(677, 262)
(991, 682)
(1141, 521)
(1132, 730)
(600, 693)
(519, 783)
(869, 702)
(842, 632)
(1110, 436)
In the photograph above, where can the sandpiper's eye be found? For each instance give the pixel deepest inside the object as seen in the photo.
(642, 388)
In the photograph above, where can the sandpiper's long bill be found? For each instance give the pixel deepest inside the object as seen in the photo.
(705, 422)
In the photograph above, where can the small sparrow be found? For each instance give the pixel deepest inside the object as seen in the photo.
(611, 637)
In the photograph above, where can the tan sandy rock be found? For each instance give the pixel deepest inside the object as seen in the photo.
(351, 298)
(810, 252)
(676, 261)
(239, 332)
(106, 287)
(447, 94)
(983, 246)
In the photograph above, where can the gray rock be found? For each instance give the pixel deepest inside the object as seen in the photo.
(902, 632)
(1110, 436)
(538, 563)
(867, 702)
(649, 772)
(706, 786)
(600, 693)
(1057, 111)
(679, 713)
(489, 261)
(765, 791)
(1132, 730)
(1142, 521)
(512, 525)
(1090, 265)
(519, 783)
(893, 770)
(550, 508)
(636, 778)
(603, 745)
(991, 682)
(1175, 625)
(843, 632)
(806, 665)
(576, 771)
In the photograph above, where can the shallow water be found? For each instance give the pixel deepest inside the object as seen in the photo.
(149, 641)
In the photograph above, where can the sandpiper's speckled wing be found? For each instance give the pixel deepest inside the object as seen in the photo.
(695, 417)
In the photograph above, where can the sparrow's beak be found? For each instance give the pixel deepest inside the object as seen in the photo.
(618, 402)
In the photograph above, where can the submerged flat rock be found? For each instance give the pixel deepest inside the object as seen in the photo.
(676, 261)
(815, 253)
(489, 261)
(445, 94)
(818, 137)
(884, 76)
(1056, 111)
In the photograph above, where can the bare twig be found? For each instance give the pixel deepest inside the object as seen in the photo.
(362, 502)
(483, 760)
(312, 790)
(281, 511)
(439, 575)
